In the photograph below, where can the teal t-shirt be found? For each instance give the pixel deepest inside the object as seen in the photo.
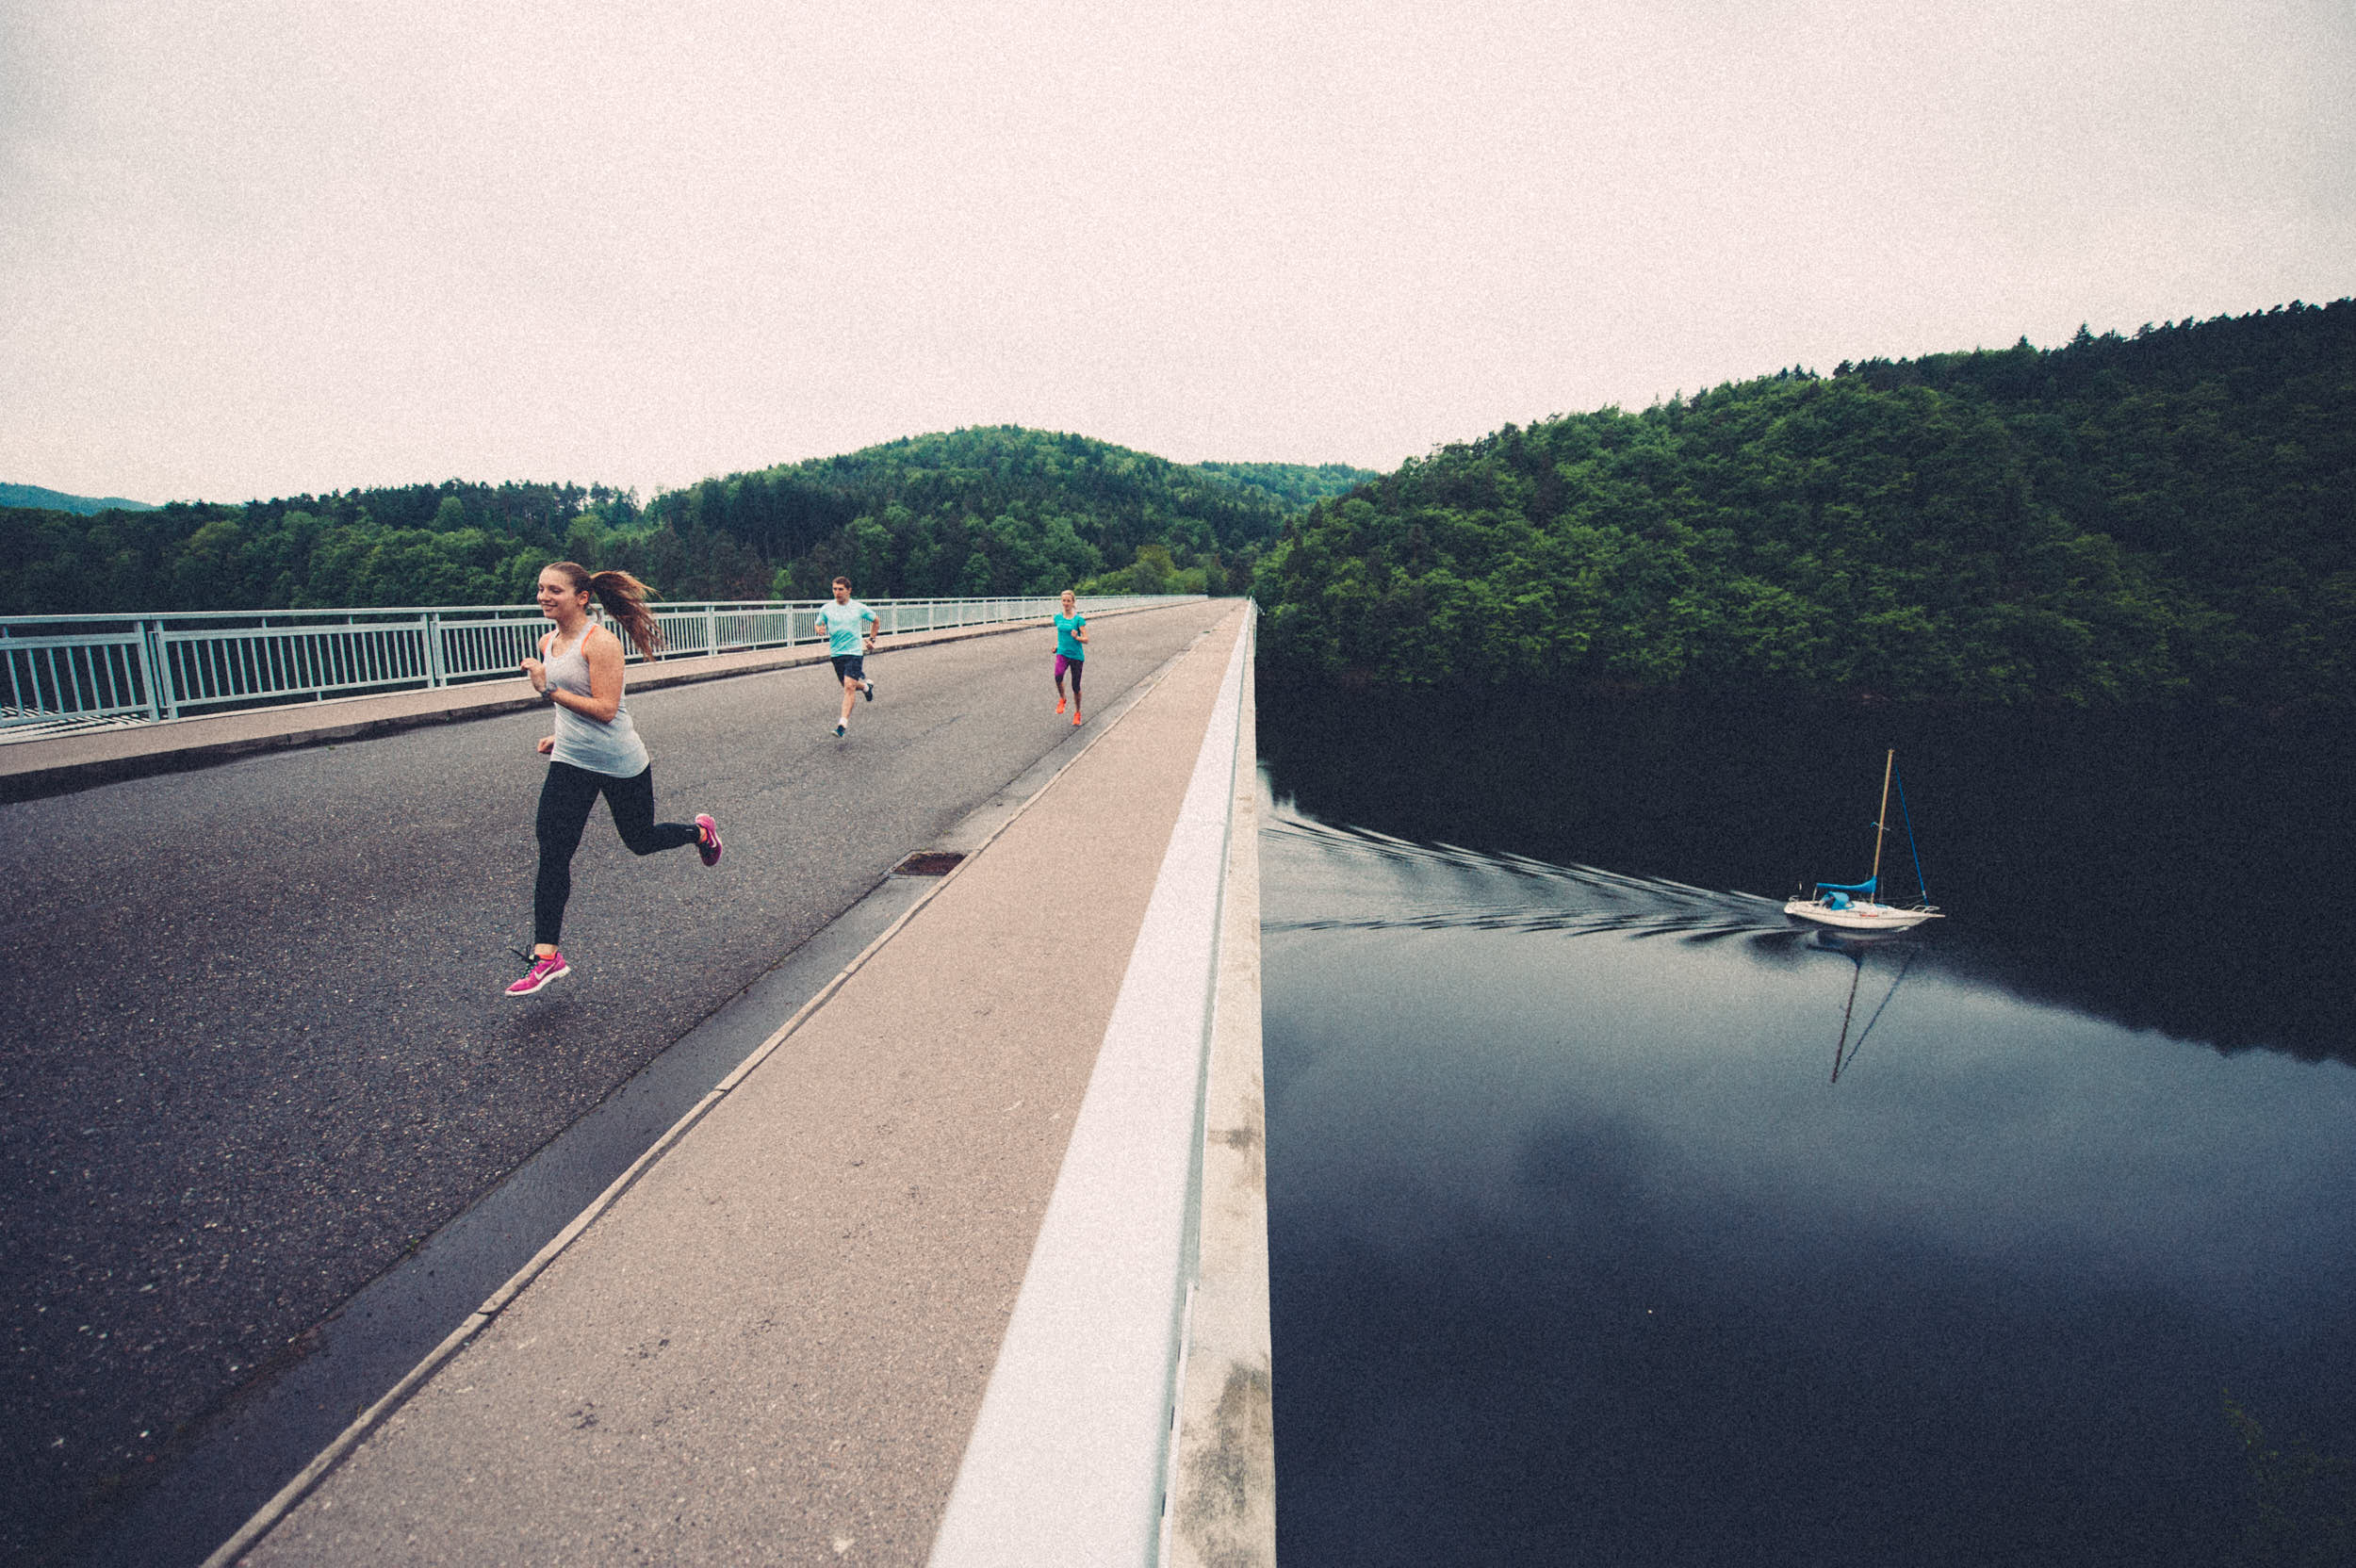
(841, 622)
(1066, 644)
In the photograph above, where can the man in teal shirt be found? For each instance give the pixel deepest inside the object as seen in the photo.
(849, 641)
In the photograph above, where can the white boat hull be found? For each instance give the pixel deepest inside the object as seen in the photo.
(1858, 916)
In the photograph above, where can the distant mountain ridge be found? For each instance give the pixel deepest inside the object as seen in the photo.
(981, 511)
(58, 501)
(1002, 509)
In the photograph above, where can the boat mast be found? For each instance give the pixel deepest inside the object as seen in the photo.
(1881, 820)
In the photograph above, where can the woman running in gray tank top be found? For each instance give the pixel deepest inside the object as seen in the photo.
(596, 749)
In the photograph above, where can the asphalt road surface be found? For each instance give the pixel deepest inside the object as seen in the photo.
(256, 1051)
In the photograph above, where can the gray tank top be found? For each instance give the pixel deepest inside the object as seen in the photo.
(609, 748)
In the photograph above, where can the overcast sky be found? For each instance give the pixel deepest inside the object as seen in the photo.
(251, 248)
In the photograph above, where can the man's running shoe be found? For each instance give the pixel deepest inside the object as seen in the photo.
(545, 971)
(871, 691)
(840, 729)
(1061, 704)
(707, 839)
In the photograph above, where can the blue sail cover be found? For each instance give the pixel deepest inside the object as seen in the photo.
(1836, 893)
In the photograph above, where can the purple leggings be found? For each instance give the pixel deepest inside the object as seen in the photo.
(1065, 662)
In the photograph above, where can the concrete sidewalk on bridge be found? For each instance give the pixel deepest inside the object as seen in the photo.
(769, 1344)
(104, 754)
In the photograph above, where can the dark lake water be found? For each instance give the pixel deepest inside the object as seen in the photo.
(1616, 1220)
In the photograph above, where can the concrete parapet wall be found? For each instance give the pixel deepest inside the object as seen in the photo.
(1069, 1460)
(1222, 1507)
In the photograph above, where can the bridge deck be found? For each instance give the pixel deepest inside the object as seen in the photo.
(258, 1062)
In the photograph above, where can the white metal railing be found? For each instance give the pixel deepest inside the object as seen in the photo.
(129, 667)
(98, 672)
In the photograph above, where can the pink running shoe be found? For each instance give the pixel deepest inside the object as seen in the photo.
(707, 839)
(545, 971)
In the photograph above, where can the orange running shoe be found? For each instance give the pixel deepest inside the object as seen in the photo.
(1075, 717)
(1060, 705)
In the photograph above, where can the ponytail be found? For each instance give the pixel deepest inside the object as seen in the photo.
(624, 598)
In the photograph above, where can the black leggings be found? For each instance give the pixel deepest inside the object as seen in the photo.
(565, 800)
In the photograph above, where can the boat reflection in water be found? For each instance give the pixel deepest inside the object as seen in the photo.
(1854, 947)
(1578, 1257)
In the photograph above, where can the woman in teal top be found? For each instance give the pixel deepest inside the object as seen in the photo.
(1070, 651)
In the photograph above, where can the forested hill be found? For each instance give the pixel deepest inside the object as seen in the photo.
(2168, 515)
(1001, 510)
(973, 512)
(453, 543)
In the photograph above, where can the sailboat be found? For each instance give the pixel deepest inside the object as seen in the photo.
(1850, 906)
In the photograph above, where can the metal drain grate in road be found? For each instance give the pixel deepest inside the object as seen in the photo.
(928, 862)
